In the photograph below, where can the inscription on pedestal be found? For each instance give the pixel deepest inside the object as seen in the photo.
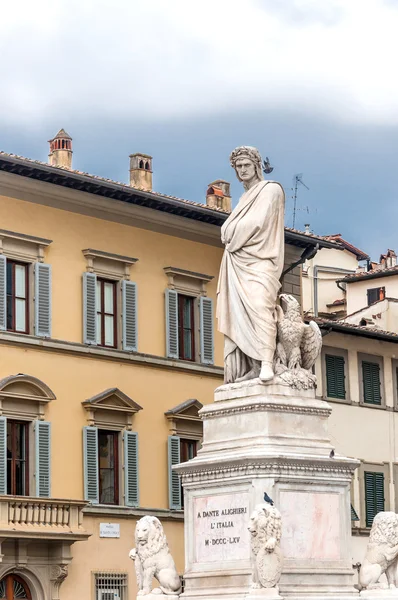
(221, 527)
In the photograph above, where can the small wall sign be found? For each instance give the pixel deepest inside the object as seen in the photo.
(109, 530)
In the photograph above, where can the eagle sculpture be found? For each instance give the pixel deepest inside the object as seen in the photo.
(298, 345)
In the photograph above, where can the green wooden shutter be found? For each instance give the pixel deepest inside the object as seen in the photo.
(129, 311)
(43, 300)
(354, 515)
(90, 453)
(89, 308)
(131, 481)
(43, 458)
(335, 376)
(174, 479)
(3, 293)
(371, 382)
(3, 456)
(171, 298)
(206, 331)
(374, 495)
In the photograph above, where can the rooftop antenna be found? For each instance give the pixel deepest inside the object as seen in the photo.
(297, 179)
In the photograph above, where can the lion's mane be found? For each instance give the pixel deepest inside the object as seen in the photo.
(268, 524)
(384, 529)
(156, 537)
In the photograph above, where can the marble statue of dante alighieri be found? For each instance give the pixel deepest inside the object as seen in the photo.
(250, 270)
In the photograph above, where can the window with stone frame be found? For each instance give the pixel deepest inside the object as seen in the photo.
(25, 284)
(25, 437)
(189, 316)
(371, 380)
(109, 301)
(374, 481)
(111, 450)
(186, 429)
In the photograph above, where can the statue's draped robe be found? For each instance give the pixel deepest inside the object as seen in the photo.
(249, 278)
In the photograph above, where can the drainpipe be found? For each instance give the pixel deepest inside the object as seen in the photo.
(325, 269)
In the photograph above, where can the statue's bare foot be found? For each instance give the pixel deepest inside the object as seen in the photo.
(266, 372)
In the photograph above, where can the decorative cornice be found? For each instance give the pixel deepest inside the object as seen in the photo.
(211, 412)
(323, 469)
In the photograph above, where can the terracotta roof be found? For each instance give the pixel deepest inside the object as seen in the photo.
(374, 274)
(119, 191)
(339, 302)
(216, 191)
(360, 254)
(62, 134)
(361, 330)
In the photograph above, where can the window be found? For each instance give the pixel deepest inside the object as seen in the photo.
(335, 376)
(179, 450)
(375, 294)
(108, 467)
(17, 297)
(183, 315)
(12, 587)
(17, 458)
(371, 383)
(374, 495)
(188, 450)
(106, 313)
(186, 324)
(111, 475)
(110, 586)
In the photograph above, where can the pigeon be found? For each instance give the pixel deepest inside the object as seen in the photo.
(267, 166)
(331, 455)
(268, 499)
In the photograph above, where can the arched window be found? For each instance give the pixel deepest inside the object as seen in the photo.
(141, 165)
(13, 587)
(147, 166)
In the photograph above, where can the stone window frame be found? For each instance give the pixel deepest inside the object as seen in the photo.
(28, 407)
(115, 268)
(27, 249)
(336, 352)
(190, 283)
(376, 467)
(177, 418)
(395, 484)
(375, 359)
(394, 367)
(98, 408)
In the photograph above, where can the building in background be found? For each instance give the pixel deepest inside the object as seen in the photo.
(108, 351)
(355, 303)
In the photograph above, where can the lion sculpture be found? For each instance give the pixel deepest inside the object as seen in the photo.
(381, 552)
(265, 529)
(153, 559)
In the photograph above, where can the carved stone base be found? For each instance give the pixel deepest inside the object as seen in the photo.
(264, 594)
(380, 593)
(156, 596)
(267, 438)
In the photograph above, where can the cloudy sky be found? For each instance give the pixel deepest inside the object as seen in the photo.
(311, 83)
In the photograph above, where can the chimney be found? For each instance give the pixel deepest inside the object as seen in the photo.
(141, 171)
(61, 150)
(218, 195)
(391, 258)
(307, 229)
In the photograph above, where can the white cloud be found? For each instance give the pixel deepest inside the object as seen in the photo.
(158, 59)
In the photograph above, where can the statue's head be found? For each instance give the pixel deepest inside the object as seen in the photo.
(247, 163)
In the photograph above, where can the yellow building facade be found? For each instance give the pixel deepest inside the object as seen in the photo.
(108, 350)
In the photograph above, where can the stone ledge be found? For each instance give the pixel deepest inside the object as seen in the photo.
(83, 350)
(124, 512)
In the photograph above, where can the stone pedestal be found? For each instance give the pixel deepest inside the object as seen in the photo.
(267, 438)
